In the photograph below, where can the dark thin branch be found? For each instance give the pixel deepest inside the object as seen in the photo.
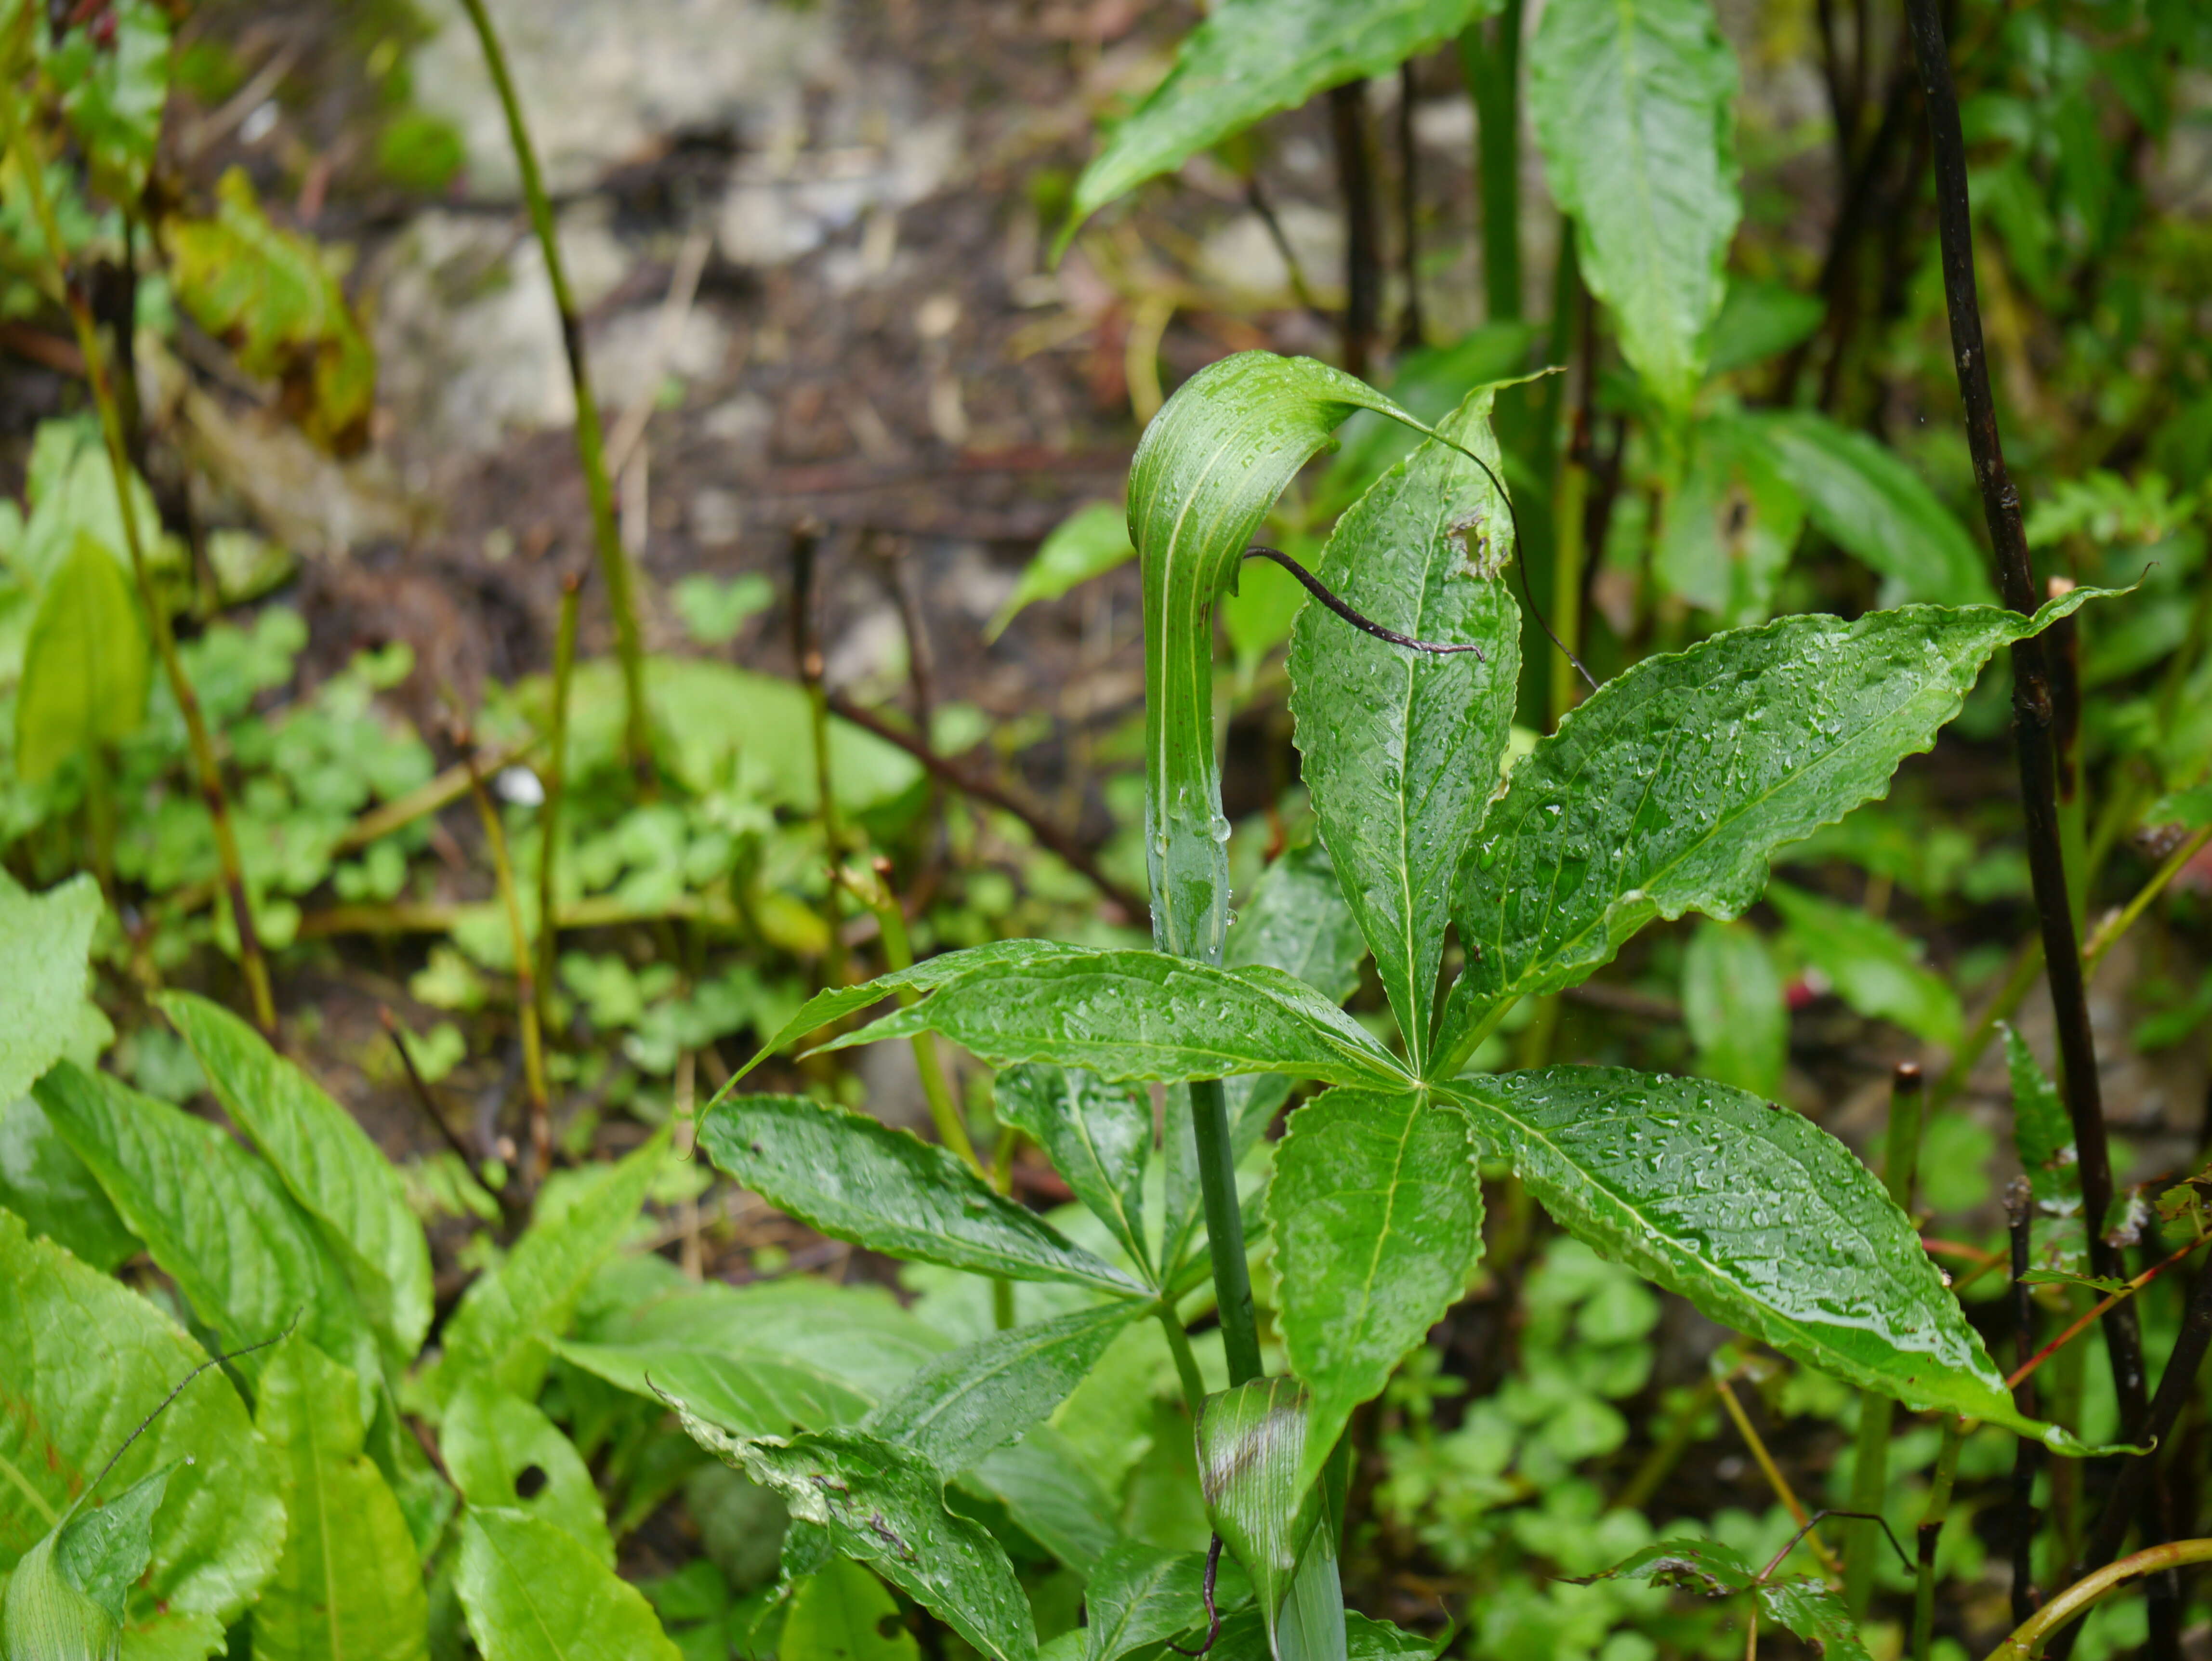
(1362, 241)
(2032, 711)
(1049, 835)
(1300, 289)
(1366, 625)
(1411, 331)
(2020, 1205)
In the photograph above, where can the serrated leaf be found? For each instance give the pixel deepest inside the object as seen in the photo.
(534, 1592)
(86, 665)
(747, 1394)
(1097, 1135)
(1669, 790)
(1376, 1209)
(1401, 748)
(46, 942)
(213, 1217)
(1209, 467)
(883, 1505)
(86, 1359)
(1815, 1613)
(1297, 920)
(855, 1178)
(1254, 1464)
(842, 1613)
(964, 1404)
(503, 1452)
(270, 295)
(1873, 968)
(1089, 543)
(2043, 1137)
(43, 1182)
(349, 1586)
(1701, 1565)
(1634, 105)
(327, 1162)
(839, 1002)
(1755, 1214)
(1867, 501)
(1142, 1015)
(1734, 1004)
(1247, 60)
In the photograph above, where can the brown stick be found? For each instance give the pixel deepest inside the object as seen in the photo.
(1411, 331)
(2020, 1205)
(1049, 835)
(1362, 241)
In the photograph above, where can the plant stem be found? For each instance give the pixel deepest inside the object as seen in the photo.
(613, 564)
(2028, 1452)
(1224, 1230)
(805, 537)
(1775, 1479)
(2078, 1598)
(1411, 332)
(1363, 239)
(556, 782)
(1492, 70)
(1931, 1532)
(205, 765)
(898, 954)
(1877, 1412)
(2026, 1369)
(2031, 703)
(525, 981)
(1193, 1383)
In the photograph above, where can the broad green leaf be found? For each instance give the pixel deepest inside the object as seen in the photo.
(964, 1404)
(1049, 1496)
(1247, 60)
(112, 90)
(1669, 790)
(503, 1452)
(326, 1160)
(1734, 1005)
(43, 1182)
(1297, 920)
(1401, 748)
(1867, 501)
(1702, 1565)
(509, 1318)
(272, 296)
(86, 665)
(349, 1586)
(1797, 1602)
(1140, 1594)
(1756, 1216)
(855, 1178)
(2043, 1137)
(839, 1002)
(1097, 1135)
(1760, 318)
(1090, 542)
(1244, 1639)
(747, 1394)
(45, 943)
(535, 1593)
(842, 1613)
(1814, 1612)
(1210, 466)
(1731, 524)
(1634, 107)
(1254, 1464)
(1132, 1015)
(1873, 969)
(86, 1362)
(66, 1597)
(884, 1507)
(213, 1217)
(1376, 1209)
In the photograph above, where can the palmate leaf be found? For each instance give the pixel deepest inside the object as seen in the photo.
(214, 1218)
(964, 1404)
(1401, 748)
(1756, 1216)
(1097, 1135)
(1669, 790)
(327, 1162)
(349, 1586)
(1378, 1215)
(1633, 103)
(883, 1505)
(85, 1360)
(534, 1592)
(1141, 1015)
(1248, 59)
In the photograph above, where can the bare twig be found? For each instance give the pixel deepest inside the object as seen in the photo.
(1411, 333)
(1363, 241)
(2027, 1454)
(526, 979)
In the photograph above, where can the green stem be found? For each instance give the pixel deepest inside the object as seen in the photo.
(526, 979)
(2029, 1637)
(1224, 1230)
(555, 781)
(1186, 1363)
(205, 765)
(1877, 1413)
(1491, 68)
(591, 451)
(1931, 1532)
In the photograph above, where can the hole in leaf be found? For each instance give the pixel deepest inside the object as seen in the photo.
(530, 1481)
